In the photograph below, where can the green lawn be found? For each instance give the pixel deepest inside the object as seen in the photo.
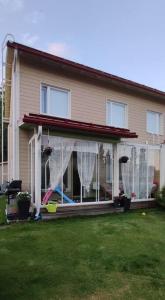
(106, 257)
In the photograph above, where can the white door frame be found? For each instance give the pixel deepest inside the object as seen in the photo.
(37, 167)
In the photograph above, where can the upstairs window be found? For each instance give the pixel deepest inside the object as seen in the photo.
(153, 122)
(116, 114)
(55, 102)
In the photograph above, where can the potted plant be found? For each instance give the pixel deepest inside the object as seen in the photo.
(23, 204)
(47, 151)
(123, 159)
(125, 201)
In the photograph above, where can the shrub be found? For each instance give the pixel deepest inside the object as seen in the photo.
(2, 210)
(23, 196)
(23, 203)
(160, 197)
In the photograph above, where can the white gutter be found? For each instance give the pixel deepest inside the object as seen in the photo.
(3, 66)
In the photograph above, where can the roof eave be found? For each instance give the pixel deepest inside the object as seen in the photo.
(91, 72)
(77, 126)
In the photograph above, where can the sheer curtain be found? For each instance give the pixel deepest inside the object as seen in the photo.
(127, 169)
(138, 172)
(108, 156)
(59, 159)
(151, 170)
(86, 158)
(143, 180)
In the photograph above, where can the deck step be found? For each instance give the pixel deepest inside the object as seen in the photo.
(64, 212)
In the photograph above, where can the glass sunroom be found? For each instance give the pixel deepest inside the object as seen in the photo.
(82, 171)
(80, 163)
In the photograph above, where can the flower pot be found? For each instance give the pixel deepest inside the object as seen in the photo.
(47, 151)
(127, 203)
(123, 159)
(23, 209)
(116, 202)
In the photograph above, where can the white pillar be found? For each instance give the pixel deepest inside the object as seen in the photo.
(115, 170)
(38, 170)
(162, 165)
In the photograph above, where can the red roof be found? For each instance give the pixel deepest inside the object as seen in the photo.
(68, 125)
(88, 71)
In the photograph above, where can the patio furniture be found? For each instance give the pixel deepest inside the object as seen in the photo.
(12, 189)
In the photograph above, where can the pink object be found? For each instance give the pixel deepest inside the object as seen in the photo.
(47, 196)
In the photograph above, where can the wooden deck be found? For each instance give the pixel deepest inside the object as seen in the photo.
(93, 210)
(81, 210)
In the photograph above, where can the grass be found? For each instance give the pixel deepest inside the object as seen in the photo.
(104, 257)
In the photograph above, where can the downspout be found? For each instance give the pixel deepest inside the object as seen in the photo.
(3, 66)
(15, 111)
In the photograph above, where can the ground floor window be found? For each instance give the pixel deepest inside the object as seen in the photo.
(139, 178)
(78, 171)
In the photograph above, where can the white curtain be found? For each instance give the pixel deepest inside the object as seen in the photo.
(151, 170)
(86, 158)
(143, 180)
(126, 169)
(59, 158)
(138, 172)
(108, 158)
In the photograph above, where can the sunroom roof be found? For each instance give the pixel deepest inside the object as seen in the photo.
(73, 126)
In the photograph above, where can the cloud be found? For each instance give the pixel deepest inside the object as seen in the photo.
(12, 5)
(29, 39)
(35, 17)
(59, 49)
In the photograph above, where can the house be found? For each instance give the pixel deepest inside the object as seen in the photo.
(70, 126)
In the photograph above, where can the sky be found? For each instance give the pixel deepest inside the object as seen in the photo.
(122, 37)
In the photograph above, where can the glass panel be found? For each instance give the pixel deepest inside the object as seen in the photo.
(81, 180)
(126, 170)
(105, 172)
(143, 173)
(89, 194)
(153, 122)
(44, 99)
(153, 171)
(118, 115)
(58, 103)
(139, 177)
(71, 181)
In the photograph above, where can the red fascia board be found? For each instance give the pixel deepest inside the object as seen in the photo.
(85, 124)
(90, 128)
(81, 67)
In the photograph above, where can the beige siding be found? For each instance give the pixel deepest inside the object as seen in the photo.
(88, 103)
(24, 158)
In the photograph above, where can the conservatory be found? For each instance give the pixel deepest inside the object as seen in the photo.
(86, 167)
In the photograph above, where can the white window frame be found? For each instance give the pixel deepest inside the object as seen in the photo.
(159, 119)
(48, 97)
(111, 102)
